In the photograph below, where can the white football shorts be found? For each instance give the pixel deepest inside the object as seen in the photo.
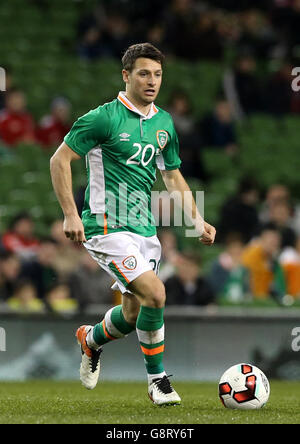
(125, 255)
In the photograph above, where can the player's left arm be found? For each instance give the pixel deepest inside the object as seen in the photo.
(174, 181)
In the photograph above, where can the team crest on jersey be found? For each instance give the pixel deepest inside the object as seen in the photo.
(130, 263)
(162, 138)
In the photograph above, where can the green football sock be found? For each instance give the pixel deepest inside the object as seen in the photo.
(150, 331)
(113, 326)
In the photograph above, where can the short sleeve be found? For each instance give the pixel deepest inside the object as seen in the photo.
(169, 157)
(89, 131)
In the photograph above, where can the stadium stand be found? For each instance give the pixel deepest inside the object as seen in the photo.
(43, 62)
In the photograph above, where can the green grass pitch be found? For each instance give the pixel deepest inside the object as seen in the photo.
(49, 402)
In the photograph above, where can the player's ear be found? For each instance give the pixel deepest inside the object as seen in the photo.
(125, 75)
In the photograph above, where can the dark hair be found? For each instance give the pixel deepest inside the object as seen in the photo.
(268, 226)
(247, 184)
(192, 256)
(141, 50)
(6, 254)
(20, 216)
(47, 240)
(180, 94)
(14, 90)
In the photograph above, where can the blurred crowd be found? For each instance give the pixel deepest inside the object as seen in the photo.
(258, 238)
(17, 124)
(258, 235)
(259, 259)
(48, 274)
(240, 95)
(267, 28)
(215, 130)
(253, 32)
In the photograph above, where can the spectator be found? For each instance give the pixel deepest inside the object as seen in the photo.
(276, 194)
(142, 14)
(59, 299)
(228, 277)
(117, 34)
(17, 292)
(207, 40)
(292, 24)
(239, 213)
(242, 87)
(279, 93)
(290, 261)
(89, 284)
(41, 270)
(281, 216)
(92, 45)
(188, 287)
(24, 299)
(156, 34)
(218, 128)
(93, 19)
(261, 259)
(257, 34)
(10, 268)
(55, 126)
(181, 110)
(16, 124)
(20, 238)
(181, 15)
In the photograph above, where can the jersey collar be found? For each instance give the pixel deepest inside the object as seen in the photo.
(126, 102)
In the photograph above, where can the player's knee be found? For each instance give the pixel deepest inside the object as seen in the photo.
(157, 297)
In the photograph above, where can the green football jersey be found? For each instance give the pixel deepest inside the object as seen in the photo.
(123, 148)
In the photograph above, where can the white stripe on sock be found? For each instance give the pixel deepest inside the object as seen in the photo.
(151, 337)
(112, 330)
(90, 340)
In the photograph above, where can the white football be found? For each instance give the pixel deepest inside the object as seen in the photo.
(244, 386)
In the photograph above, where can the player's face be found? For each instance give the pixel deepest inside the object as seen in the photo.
(143, 82)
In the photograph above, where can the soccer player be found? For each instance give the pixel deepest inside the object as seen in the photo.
(124, 141)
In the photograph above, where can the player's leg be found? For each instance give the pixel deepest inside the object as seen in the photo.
(117, 323)
(150, 292)
(133, 272)
(131, 308)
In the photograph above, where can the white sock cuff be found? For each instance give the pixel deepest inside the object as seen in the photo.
(90, 340)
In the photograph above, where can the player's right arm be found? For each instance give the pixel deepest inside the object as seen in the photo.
(61, 175)
(87, 132)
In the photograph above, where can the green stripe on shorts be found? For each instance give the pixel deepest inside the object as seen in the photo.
(117, 272)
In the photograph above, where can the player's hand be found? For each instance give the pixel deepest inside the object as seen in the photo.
(73, 228)
(208, 235)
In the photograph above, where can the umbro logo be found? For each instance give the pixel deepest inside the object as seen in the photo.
(124, 137)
